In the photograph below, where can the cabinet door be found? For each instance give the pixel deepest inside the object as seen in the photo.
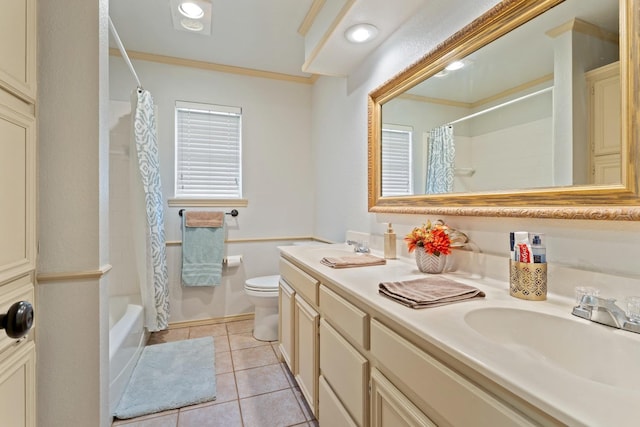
(286, 301)
(346, 371)
(306, 344)
(17, 189)
(390, 408)
(18, 48)
(605, 110)
(18, 387)
(607, 170)
(17, 205)
(331, 411)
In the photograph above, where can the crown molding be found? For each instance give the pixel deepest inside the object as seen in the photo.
(211, 66)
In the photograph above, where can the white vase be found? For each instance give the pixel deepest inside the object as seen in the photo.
(430, 263)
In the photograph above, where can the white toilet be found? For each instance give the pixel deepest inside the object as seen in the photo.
(263, 294)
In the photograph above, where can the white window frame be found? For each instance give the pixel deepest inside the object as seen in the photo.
(185, 190)
(397, 160)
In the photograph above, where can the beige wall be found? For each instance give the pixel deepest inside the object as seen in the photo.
(277, 178)
(72, 345)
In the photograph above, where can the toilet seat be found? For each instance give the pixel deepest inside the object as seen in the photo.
(267, 284)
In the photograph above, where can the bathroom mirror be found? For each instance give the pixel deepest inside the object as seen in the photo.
(541, 120)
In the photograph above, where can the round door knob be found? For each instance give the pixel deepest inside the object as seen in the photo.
(18, 319)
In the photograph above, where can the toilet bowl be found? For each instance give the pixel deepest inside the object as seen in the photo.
(263, 294)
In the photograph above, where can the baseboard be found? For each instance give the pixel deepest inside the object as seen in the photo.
(213, 321)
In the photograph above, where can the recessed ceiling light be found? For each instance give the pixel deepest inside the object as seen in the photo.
(191, 10)
(442, 73)
(191, 24)
(455, 65)
(361, 33)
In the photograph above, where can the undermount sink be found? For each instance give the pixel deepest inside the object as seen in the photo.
(588, 350)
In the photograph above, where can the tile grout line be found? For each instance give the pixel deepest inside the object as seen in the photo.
(235, 378)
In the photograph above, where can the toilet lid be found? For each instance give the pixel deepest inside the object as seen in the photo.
(263, 283)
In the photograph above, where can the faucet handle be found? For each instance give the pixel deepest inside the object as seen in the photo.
(633, 308)
(360, 247)
(582, 291)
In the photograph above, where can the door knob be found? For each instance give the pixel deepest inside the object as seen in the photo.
(18, 319)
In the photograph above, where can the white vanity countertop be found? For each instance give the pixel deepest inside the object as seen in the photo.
(572, 399)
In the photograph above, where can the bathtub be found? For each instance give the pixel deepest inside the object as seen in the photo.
(127, 337)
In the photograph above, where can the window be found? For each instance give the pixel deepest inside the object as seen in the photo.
(396, 161)
(208, 151)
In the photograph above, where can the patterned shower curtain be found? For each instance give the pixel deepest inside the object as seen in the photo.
(148, 215)
(441, 154)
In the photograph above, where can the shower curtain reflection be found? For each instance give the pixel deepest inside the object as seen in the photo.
(441, 155)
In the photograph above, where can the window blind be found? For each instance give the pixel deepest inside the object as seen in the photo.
(396, 161)
(208, 151)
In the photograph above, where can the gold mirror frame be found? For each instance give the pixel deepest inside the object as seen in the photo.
(611, 202)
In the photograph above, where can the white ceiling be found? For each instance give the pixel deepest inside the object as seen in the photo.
(263, 35)
(256, 34)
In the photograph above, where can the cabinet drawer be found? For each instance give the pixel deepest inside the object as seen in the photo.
(330, 410)
(346, 371)
(304, 284)
(345, 316)
(18, 290)
(441, 388)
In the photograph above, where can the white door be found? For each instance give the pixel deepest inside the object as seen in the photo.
(17, 213)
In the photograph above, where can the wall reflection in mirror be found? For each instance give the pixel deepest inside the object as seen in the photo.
(536, 108)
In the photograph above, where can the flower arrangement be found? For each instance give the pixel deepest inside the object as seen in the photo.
(436, 238)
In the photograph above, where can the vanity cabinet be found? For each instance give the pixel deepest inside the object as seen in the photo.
(356, 366)
(299, 329)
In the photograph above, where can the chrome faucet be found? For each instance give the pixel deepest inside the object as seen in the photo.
(359, 247)
(605, 311)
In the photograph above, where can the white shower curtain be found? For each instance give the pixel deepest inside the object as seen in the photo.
(148, 214)
(441, 154)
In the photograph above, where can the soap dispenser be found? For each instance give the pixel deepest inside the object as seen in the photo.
(390, 243)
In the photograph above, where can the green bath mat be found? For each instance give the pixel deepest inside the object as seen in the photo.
(169, 376)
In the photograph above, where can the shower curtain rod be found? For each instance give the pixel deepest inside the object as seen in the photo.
(504, 104)
(123, 52)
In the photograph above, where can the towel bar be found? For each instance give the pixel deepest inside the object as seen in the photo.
(234, 212)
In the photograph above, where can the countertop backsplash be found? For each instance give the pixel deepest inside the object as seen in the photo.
(562, 279)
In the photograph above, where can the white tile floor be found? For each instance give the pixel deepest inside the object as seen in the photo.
(253, 388)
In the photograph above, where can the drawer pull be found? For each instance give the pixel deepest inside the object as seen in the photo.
(18, 319)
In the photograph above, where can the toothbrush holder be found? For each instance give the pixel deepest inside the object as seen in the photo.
(528, 280)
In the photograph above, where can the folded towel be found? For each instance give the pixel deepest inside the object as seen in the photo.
(428, 292)
(204, 219)
(363, 260)
(202, 254)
